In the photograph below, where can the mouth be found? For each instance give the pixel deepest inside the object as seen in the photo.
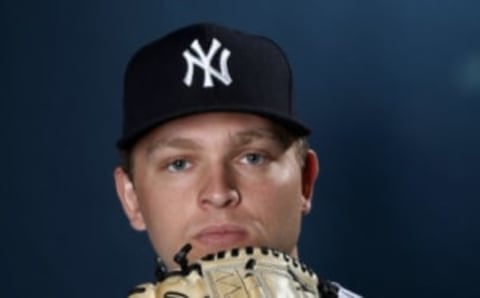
(222, 236)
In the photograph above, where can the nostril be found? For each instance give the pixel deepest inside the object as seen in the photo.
(221, 199)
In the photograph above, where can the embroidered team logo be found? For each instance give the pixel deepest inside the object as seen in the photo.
(204, 61)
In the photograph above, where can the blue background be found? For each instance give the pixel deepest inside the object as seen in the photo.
(390, 88)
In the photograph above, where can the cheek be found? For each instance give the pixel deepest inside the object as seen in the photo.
(285, 214)
(281, 186)
(276, 198)
(165, 212)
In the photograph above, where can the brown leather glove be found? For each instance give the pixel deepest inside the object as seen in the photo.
(237, 273)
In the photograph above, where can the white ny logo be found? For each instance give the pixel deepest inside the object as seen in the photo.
(204, 61)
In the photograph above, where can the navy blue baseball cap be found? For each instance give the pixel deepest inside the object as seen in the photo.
(206, 68)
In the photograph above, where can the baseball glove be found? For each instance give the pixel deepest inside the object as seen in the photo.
(237, 273)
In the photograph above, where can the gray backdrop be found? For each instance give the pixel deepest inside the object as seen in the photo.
(391, 89)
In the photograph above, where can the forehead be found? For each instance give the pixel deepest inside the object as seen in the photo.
(201, 126)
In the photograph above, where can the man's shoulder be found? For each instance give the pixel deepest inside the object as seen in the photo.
(344, 293)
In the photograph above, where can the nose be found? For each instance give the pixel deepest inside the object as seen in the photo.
(219, 188)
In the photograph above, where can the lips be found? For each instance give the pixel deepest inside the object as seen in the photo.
(221, 236)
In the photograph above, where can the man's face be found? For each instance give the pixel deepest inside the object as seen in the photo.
(217, 181)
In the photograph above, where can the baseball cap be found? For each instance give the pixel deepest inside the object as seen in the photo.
(206, 68)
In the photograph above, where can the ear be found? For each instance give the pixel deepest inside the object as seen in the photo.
(128, 198)
(309, 176)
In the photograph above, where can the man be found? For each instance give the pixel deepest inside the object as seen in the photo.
(212, 154)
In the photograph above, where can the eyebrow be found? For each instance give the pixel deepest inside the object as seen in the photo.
(175, 142)
(246, 137)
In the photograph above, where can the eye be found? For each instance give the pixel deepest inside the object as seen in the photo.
(178, 165)
(254, 159)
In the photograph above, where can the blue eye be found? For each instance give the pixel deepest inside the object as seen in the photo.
(178, 165)
(254, 159)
